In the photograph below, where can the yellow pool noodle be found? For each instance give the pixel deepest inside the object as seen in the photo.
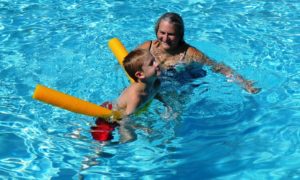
(120, 52)
(71, 103)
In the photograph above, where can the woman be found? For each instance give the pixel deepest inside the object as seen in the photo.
(170, 49)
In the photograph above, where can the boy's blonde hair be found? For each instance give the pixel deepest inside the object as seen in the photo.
(134, 61)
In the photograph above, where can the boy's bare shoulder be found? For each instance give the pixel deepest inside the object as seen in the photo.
(134, 91)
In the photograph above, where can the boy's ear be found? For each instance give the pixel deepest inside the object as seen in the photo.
(139, 74)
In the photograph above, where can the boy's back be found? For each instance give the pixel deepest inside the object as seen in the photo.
(142, 67)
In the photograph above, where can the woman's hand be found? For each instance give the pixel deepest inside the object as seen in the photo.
(248, 86)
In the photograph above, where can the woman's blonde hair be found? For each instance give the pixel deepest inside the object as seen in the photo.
(174, 19)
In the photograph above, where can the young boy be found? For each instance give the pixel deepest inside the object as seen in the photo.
(142, 67)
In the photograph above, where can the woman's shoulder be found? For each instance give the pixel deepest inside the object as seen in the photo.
(148, 44)
(193, 53)
(145, 45)
(192, 50)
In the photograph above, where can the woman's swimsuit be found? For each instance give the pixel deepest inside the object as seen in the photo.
(180, 72)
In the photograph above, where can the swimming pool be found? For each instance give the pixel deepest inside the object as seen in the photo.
(221, 133)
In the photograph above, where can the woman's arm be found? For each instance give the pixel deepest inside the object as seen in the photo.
(195, 55)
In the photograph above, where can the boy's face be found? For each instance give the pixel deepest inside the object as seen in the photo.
(150, 67)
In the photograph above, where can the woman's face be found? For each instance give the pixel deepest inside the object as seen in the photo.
(167, 35)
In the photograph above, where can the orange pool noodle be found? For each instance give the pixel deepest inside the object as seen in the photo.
(71, 103)
(119, 51)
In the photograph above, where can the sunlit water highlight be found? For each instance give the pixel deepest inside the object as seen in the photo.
(219, 131)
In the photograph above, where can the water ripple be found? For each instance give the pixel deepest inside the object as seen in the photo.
(215, 129)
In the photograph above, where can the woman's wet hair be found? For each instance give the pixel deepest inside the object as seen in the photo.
(174, 19)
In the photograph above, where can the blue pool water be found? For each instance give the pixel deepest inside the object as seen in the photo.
(218, 130)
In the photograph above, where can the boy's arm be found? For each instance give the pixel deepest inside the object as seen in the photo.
(128, 101)
(131, 100)
(132, 105)
(222, 69)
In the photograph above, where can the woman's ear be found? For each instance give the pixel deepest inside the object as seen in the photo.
(139, 75)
